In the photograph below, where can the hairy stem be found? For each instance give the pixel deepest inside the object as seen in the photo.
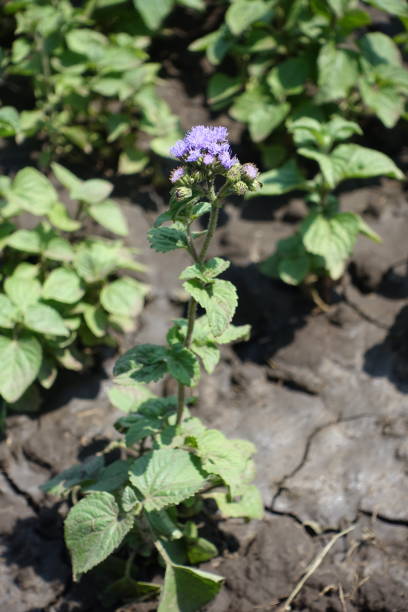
(192, 305)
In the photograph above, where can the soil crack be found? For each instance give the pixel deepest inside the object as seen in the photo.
(385, 519)
(30, 501)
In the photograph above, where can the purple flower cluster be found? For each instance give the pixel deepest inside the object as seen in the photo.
(208, 144)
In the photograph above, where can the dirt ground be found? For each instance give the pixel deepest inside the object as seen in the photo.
(323, 395)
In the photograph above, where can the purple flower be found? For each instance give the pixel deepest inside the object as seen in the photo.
(250, 170)
(206, 144)
(176, 174)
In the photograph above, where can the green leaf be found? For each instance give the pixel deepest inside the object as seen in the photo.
(141, 428)
(250, 505)
(123, 296)
(128, 499)
(281, 180)
(266, 118)
(93, 191)
(205, 271)
(45, 320)
(164, 239)
(208, 353)
(109, 215)
(383, 101)
(87, 42)
(110, 478)
(143, 363)
(378, 48)
(59, 217)
(221, 89)
(163, 525)
(48, 372)
(8, 312)
(241, 14)
(219, 299)
(94, 261)
(166, 477)
(22, 291)
(395, 7)
(337, 72)
(354, 161)
(293, 270)
(289, 77)
(154, 11)
(187, 590)
(63, 285)
(129, 398)
(132, 161)
(94, 528)
(200, 551)
(9, 121)
(66, 177)
(73, 476)
(21, 361)
(331, 238)
(183, 366)
(33, 191)
(224, 457)
(234, 333)
(96, 319)
(366, 230)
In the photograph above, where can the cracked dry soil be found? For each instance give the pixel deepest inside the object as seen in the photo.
(322, 395)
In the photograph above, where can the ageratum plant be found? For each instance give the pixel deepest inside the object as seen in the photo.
(151, 502)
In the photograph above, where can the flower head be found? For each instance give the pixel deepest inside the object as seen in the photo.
(207, 144)
(250, 170)
(176, 174)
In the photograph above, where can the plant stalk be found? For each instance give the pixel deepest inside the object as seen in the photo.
(192, 305)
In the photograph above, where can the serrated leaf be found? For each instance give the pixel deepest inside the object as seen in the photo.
(109, 215)
(93, 529)
(123, 296)
(219, 299)
(128, 499)
(166, 477)
(234, 333)
(183, 366)
(164, 239)
(75, 475)
(187, 590)
(206, 271)
(143, 363)
(224, 458)
(249, 506)
(111, 477)
(141, 428)
(45, 320)
(21, 361)
(63, 285)
(208, 353)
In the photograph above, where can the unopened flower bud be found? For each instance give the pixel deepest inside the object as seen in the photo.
(255, 185)
(182, 193)
(234, 173)
(240, 188)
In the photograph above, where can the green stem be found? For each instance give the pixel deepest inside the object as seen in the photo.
(129, 563)
(192, 305)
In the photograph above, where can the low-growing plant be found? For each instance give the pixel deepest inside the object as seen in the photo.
(326, 237)
(297, 58)
(91, 76)
(153, 501)
(59, 293)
